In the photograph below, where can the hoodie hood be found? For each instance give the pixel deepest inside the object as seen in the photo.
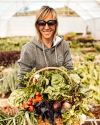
(57, 40)
(39, 44)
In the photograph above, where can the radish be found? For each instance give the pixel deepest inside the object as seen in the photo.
(66, 106)
(56, 105)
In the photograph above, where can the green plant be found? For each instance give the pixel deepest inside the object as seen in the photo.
(8, 80)
(89, 57)
(74, 44)
(13, 43)
(70, 36)
(97, 45)
(79, 88)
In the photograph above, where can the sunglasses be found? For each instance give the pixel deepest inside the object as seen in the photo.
(49, 22)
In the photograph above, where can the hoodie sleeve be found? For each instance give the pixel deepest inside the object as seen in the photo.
(26, 61)
(67, 56)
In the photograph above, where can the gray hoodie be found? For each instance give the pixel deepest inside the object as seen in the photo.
(36, 54)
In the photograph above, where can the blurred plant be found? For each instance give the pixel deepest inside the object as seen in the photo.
(13, 43)
(74, 44)
(70, 36)
(97, 46)
(8, 80)
(89, 57)
(85, 39)
(9, 57)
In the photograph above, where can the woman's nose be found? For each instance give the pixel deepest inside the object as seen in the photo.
(46, 26)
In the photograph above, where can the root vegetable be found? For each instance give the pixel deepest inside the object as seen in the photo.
(56, 105)
(66, 106)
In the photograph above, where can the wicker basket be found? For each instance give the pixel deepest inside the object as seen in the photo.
(58, 121)
(47, 69)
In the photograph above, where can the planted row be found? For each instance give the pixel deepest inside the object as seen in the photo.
(8, 57)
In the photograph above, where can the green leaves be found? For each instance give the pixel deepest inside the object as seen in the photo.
(18, 96)
(79, 87)
(21, 118)
(57, 87)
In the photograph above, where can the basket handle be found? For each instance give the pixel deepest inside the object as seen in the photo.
(49, 68)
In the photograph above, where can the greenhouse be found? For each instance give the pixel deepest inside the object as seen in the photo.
(88, 10)
(50, 62)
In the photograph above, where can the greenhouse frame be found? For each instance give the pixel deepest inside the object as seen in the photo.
(88, 10)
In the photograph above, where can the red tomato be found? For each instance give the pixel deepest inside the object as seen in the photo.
(29, 103)
(31, 108)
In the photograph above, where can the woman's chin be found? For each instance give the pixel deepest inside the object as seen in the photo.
(48, 36)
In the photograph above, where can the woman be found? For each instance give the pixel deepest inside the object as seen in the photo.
(47, 49)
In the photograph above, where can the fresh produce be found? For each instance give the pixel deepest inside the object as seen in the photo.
(19, 96)
(57, 92)
(66, 106)
(56, 105)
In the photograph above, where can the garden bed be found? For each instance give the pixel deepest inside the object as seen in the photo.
(9, 57)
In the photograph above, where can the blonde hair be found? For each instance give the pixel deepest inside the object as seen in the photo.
(41, 14)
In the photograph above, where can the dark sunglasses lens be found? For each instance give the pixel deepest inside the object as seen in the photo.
(52, 22)
(41, 23)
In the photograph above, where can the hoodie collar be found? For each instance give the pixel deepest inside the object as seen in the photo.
(56, 41)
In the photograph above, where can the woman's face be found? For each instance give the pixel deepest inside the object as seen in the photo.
(47, 27)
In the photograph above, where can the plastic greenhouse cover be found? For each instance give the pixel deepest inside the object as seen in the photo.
(87, 9)
(8, 9)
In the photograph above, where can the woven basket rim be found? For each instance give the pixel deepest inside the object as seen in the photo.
(47, 69)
